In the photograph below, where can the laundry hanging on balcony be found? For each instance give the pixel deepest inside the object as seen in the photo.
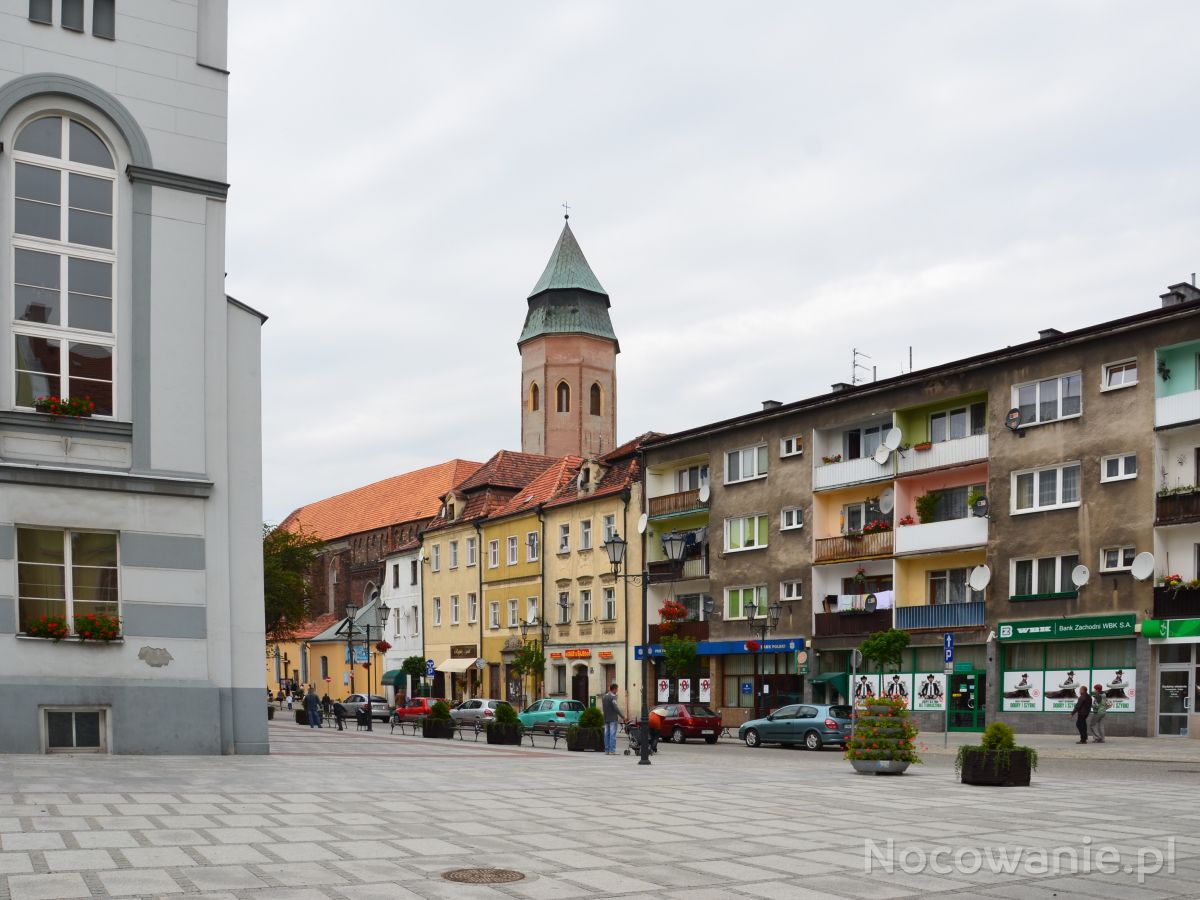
(858, 602)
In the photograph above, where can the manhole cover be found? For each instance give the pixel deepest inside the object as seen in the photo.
(482, 876)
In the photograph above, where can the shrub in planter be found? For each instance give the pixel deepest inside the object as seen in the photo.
(506, 727)
(997, 760)
(588, 734)
(438, 724)
(884, 737)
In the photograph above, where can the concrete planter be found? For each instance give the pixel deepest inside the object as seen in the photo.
(437, 728)
(988, 768)
(879, 766)
(580, 739)
(504, 734)
(270, 711)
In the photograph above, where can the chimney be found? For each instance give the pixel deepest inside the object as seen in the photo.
(838, 386)
(1180, 293)
(771, 404)
(1046, 333)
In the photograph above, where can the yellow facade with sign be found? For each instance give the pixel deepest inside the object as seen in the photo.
(512, 594)
(451, 607)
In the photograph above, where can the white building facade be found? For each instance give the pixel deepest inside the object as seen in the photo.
(149, 507)
(402, 594)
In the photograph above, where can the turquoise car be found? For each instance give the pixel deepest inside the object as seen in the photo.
(542, 715)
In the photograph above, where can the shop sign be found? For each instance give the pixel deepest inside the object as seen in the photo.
(556, 655)
(1073, 629)
(605, 654)
(464, 651)
(578, 653)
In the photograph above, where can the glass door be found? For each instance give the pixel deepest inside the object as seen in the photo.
(1174, 696)
(968, 691)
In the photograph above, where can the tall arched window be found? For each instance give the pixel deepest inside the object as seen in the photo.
(595, 399)
(564, 397)
(64, 263)
(535, 397)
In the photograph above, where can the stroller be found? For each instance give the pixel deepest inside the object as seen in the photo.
(632, 729)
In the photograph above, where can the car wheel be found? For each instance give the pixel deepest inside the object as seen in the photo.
(751, 738)
(677, 736)
(712, 739)
(812, 741)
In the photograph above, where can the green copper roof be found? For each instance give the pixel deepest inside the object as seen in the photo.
(567, 268)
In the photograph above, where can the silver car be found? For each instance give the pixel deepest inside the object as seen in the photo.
(379, 706)
(477, 710)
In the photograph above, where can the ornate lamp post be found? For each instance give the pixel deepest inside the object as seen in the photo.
(615, 547)
(526, 624)
(762, 629)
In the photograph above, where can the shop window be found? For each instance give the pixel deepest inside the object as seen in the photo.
(76, 731)
(1068, 655)
(1116, 654)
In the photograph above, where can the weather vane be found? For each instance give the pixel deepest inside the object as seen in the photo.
(567, 207)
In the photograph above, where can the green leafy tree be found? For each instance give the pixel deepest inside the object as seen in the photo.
(885, 648)
(288, 557)
(530, 661)
(679, 654)
(414, 668)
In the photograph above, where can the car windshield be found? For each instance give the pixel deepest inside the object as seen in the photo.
(700, 711)
(840, 712)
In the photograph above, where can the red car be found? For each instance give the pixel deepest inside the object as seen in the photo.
(418, 707)
(680, 721)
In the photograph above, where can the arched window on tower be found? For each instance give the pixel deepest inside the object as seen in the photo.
(564, 397)
(595, 399)
(535, 397)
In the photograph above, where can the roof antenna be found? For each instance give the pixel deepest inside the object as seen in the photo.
(567, 207)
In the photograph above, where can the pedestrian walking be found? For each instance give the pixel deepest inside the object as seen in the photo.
(339, 714)
(290, 701)
(326, 705)
(1100, 706)
(279, 698)
(1081, 711)
(312, 705)
(612, 716)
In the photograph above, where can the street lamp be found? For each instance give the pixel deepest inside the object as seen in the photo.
(615, 547)
(769, 624)
(526, 624)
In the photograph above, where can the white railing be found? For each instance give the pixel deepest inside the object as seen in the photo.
(1177, 409)
(949, 535)
(852, 471)
(972, 448)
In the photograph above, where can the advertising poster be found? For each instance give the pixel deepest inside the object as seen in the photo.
(1023, 691)
(705, 690)
(664, 690)
(865, 686)
(685, 690)
(1062, 688)
(1119, 685)
(898, 687)
(929, 690)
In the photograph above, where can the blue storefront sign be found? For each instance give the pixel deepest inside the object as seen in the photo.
(722, 648)
(360, 654)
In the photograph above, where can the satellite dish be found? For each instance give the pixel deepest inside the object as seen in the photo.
(1080, 576)
(981, 577)
(980, 507)
(892, 439)
(1143, 566)
(705, 493)
(642, 523)
(1012, 420)
(887, 501)
(882, 454)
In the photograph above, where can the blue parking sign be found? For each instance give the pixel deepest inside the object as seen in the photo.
(948, 643)
(429, 668)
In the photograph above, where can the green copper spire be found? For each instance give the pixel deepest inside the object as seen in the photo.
(567, 268)
(568, 299)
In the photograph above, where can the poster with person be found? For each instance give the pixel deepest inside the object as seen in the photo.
(1023, 691)
(865, 687)
(1119, 686)
(898, 687)
(929, 691)
(1062, 688)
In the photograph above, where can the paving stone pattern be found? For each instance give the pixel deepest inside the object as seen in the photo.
(357, 816)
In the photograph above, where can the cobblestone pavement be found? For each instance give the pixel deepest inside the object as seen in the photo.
(358, 816)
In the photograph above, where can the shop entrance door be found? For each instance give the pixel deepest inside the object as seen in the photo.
(579, 685)
(1174, 695)
(967, 699)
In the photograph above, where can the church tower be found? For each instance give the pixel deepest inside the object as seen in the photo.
(568, 360)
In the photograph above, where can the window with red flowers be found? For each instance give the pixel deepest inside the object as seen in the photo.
(65, 573)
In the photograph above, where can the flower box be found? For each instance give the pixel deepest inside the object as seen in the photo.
(74, 407)
(996, 768)
(923, 446)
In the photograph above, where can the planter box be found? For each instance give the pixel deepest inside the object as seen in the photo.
(984, 768)
(504, 734)
(437, 728)
(301, 715)
(580, 739)
(270, 711)
(879, 766)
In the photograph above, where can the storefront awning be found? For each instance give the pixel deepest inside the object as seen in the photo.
(392, 678)
(1187, 629)
(839, 681)
(458, 665)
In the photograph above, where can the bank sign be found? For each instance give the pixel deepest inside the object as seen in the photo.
(721, 648)
(1073, 629)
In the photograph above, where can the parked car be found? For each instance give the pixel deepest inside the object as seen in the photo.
(476, 710)
(418, 707)
(680, 721)
(800, 723)
(542, 715)
(379, 706)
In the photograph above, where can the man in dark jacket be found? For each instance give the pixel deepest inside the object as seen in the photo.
(312, 706)
(1083, 709)
(339, 714)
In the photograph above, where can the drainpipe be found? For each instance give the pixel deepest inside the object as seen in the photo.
(479, 595)
(542, 593)
(629, 667)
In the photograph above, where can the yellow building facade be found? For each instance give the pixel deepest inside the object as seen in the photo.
(450, 599)
(512, 594)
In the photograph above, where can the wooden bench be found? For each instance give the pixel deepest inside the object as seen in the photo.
(413, 722)
(475, 728)
(554, 732)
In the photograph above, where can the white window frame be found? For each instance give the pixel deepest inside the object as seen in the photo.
(791, 518)
(472, 608)
(416, 620)
(756, 454)
(564, 538)
(585, 605)
(68, 566)
(760, 599)
(1123, 473)
(454, 554)
(585, 534)
(513, 613)
(437, 611)
(435, 558)
(739, 522)
(454, 609)
(512, 550)
(1058, 489)
(610, 604)
(791, 590)
(1121, 365)
(564, 609)
(1037, 402)
(471, 555)
(970, 595)
(494, 554)
(532, 546)
(610, 527)
(1125, 557)
(792, 445)
(1036, 561)
(105, 729)
(684, 479)
(494, 615)
(531, 609)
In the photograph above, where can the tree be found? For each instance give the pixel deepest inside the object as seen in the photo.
(885, 648)
(679, 654)
(288, 557)
(530, 660)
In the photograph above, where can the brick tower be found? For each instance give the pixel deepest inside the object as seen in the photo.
(568, 360)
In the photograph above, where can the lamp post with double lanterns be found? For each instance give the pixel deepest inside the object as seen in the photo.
(762, 629)
(281, 668)
(351, 611)
(526, 624)
(615, 547)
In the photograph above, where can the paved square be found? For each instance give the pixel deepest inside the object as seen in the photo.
(358, 816)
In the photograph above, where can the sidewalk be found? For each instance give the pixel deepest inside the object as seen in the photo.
(1066, 746)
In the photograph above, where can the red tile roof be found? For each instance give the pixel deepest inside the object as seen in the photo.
(313, 627)
(542, 488)
(403, 498)
(622, 470)
(507, 469)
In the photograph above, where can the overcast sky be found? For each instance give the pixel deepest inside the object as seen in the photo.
(760, 188)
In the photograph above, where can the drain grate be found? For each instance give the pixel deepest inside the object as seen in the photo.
(483, 876)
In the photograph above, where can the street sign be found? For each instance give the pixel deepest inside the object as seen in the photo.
(964, 667)
(948, 644)
(747, 687)
(949, 668)
(328, 679)
(856, 659)
(429, 668)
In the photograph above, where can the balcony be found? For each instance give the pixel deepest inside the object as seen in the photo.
(1178, 509)
(852, 471)
(863, 546)
(690, 629)
(952, 534)
(665, 570)
(973, 448)
(851, 624)
(1180, 603)
(941, 616)
(675, 504)
(1178, 409)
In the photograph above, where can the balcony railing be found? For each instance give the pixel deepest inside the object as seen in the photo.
(673, 504)
(863, 546)
(972, 448)
(836, 624)
(852, 471)
(1178, 409)
(1180, 603)
(665, 570)
(942, 615)
(697, 630)
(952, 534)
(1175, 509)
